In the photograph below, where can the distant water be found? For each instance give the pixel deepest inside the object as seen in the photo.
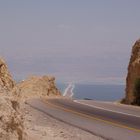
(61, 87)
(96, 92)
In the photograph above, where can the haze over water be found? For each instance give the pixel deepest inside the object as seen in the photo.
(95, 92)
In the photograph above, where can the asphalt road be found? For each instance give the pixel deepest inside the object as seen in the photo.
(107, 120)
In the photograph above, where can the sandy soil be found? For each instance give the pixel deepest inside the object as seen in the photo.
(40, 126)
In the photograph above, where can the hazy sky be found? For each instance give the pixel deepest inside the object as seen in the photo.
(86, 41)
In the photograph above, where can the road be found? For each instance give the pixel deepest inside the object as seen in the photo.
(107, 120)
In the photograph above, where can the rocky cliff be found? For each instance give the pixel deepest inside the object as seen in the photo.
(12, 97)
(11, 123)
(11, 126)
(133, 73)
(37, 86)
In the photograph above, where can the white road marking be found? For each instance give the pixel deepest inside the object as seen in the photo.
(71, 87)
(107, 109)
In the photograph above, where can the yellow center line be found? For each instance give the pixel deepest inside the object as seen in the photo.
(93, 118)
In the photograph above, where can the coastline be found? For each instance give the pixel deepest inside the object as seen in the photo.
(111, 93)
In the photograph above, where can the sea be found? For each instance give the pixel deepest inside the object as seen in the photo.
(95, 92)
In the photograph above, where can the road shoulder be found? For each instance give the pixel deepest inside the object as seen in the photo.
(41, 126)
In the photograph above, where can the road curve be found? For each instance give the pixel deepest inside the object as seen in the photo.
(96, 120)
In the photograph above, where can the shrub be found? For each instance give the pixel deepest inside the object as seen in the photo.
(137, 92)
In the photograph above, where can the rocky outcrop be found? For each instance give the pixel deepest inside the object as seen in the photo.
(11, 127)
(11, 123)
(133, 73)
(6, 80)
(37, 86)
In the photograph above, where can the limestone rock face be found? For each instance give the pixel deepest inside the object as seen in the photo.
(133, 72)
(6, 80)
(37, 86)
(11, 127)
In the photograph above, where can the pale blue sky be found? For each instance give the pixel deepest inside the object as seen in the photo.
(86, 41)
